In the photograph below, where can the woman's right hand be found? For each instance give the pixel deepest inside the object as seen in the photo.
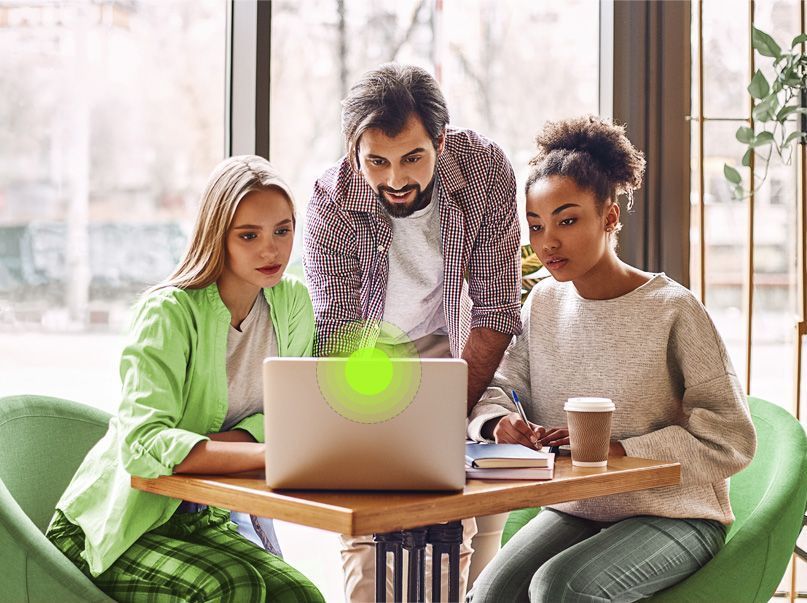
(511, 429)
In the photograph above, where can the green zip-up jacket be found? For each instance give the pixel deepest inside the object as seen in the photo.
(174, 387)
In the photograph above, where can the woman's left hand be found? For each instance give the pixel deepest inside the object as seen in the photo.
(616, 449)
(555, 436)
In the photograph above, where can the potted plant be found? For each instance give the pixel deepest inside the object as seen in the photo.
(780, 109)
(532, 271)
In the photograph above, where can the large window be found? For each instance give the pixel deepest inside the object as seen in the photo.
(505, 68)
(112, 116)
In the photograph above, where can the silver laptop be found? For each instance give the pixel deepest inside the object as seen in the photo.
(397, 425)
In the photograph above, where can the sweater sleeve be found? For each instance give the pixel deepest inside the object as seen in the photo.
(153, 369)
(716, 437)
(513, 374)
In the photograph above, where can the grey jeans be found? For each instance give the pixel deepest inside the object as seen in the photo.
(558, 558)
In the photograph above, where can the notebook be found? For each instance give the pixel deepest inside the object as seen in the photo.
(487, 456)
(526, 473)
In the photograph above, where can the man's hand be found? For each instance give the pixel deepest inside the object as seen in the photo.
(511, 429)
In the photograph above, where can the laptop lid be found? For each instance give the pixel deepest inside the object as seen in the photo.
(393, 425)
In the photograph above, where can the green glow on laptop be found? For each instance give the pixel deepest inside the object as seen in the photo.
(380, 378)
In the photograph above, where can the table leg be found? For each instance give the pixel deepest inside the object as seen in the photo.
(388, 543)
(414, 541)
(446, 539)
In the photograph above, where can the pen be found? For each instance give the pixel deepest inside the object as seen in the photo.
(519, 408)
(521, 412)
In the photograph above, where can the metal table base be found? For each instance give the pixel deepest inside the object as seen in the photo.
(444, 538)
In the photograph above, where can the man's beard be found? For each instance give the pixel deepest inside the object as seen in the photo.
(404, 210)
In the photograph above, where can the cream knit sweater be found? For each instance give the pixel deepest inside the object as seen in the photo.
(655, 352)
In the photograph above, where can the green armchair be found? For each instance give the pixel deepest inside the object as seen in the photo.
(42, 442)
(768, 498)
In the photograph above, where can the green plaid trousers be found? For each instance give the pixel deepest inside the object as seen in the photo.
(193, 557)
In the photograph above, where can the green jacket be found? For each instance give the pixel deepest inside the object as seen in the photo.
(174, 388)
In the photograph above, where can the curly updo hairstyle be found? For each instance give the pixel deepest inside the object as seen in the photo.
(593, 152)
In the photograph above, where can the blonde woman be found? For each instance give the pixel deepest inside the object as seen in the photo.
(191, 404)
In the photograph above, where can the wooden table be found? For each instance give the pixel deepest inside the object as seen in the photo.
(386, 513)
(356, 513)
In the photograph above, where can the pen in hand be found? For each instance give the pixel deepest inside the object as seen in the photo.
(523, 416)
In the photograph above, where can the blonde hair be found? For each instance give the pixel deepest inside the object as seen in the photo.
(231, 181)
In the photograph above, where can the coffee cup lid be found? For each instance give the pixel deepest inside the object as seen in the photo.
(589, 405)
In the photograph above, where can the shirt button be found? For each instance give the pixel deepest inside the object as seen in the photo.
(381, 248)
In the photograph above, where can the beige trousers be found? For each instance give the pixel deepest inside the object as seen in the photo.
(358, 563)
(478, 547)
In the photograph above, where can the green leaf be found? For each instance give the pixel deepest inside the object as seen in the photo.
(798, 40)
(762, 112)
(745, 134)
(793, 136)
(764, 44)
(785, 111)
(759, 88)
(731, 174)
(762, 139)
(747, 158)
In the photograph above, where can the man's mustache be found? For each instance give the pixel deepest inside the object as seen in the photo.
(406, 189)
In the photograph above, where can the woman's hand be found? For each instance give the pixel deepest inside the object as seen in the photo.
(555, 436)
(511, 429)
(616, 449)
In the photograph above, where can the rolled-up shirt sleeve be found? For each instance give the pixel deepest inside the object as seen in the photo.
(332, 271)
(153, 369)
(494, 271)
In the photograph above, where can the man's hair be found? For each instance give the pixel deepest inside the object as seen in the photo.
(385, 98)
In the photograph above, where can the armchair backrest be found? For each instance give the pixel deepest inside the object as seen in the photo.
(42, 442)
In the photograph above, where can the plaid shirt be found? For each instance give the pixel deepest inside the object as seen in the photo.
(348, 235)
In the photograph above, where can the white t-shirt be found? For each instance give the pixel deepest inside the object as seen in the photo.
(246, 350)
(414, 299)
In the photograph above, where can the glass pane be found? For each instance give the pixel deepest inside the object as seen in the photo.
(725, 59)
(112, 118)
(726, 224)
(775, 290)
(505, 69)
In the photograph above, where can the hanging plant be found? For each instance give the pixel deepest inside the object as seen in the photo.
(780, 110)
